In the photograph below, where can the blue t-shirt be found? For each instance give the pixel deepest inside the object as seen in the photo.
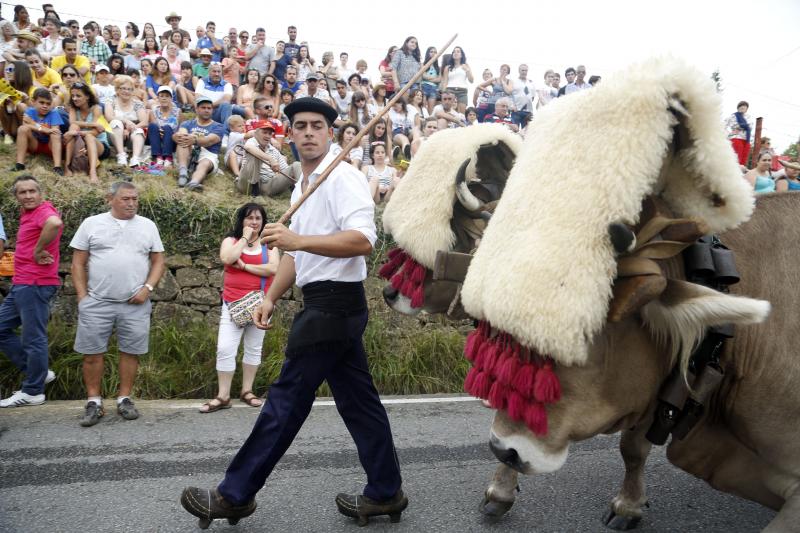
(292, 88)
(206, 42)
(291, 49)
(280, 66)
(53, 118)
(150, 83)
(215, 128)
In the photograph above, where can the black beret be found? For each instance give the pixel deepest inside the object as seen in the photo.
(312, 105)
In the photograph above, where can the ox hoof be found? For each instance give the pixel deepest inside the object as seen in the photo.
(493, 508)
(620, 523)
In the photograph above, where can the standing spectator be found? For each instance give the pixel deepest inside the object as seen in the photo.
(259, 54)
(174, 20)
(281, 62)
(209, 41)
(329, 69)
(84, 121)
(292, 49)
(344, 71)
(549, 92)
(405, 63)
(204, 134)
(263, 168)
(341, 100)
(117, 260)
(40, 131)
(456, 76)
(230, 68)
(96, 50)
(34, 284)
(501, 86)
(385, 68)
(220, 92)
(131, 36)
(523, 93)
(569, 74)
(127, 118)
(760, 177)
(244, 37)
(482, 95)
(163, 123)
(579, 84)
(249, 266)
(431, 80)
(304, 62)
(740, 126)
(22, 20)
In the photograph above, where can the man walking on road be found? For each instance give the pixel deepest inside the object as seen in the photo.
(324, 254)
(34, 284)
(125, 260)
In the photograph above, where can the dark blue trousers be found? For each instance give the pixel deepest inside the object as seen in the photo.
(344, 366)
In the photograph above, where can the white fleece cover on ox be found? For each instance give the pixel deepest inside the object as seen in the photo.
(545, 267)
(419, 212)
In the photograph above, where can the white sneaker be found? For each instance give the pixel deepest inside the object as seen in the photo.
(122, 159)
(21, 399)
(51, 377)
(134, 162)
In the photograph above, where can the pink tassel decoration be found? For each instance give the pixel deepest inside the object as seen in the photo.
(507, 369)
(547, 388)
(516, 406)
(482, 386)
(418, 296)
(392, 266)
(498, 398)
(524, 380)
(536, 418)
(492, 355)
(469, 381)
(418, 273)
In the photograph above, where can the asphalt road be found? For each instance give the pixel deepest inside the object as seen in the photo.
(127, 476)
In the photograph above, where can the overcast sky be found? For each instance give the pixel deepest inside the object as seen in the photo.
(755, 45)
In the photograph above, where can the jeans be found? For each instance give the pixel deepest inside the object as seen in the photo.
(29, 306)
(224, 111)
(519, 117)
(161, 144)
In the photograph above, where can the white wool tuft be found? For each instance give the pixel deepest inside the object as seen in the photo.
(419, 212)
(545, 267)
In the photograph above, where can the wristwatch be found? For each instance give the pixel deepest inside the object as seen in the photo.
(150, 287)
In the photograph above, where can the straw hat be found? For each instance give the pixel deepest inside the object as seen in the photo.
(172, 15)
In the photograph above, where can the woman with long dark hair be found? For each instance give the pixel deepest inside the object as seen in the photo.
(131, 35)
(268, 88)
(431, 80)
(84, 121)
(116, 64)
(18, 77)
(249, 266)
(386, 70)
(405, 63)
(360, 113)
(457, 76)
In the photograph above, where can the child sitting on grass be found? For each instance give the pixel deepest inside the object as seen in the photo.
(236, 137)
(40, 132)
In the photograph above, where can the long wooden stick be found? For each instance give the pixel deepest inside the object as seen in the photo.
(357, 139)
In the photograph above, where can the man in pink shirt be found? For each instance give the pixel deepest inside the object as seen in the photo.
(34, 284)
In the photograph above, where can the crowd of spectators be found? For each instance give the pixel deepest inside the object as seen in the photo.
(82, 93)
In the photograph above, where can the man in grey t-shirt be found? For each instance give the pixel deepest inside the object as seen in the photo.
(259, 54)
(123, 256)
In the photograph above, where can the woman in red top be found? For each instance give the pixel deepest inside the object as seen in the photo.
(249, 266)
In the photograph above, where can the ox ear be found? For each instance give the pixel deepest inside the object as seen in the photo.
(684, 309)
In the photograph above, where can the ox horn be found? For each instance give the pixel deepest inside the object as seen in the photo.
(465, 196)
(622, 238)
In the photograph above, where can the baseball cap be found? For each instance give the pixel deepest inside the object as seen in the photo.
(100, 67)
(203, 100)
(165, 89)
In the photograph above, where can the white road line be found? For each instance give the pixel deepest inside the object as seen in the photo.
(387, 401)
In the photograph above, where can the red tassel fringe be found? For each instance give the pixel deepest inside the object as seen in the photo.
(482, 386)
(524, 379)
(547, 388)
(498, 396)
(469, 381)
(516, 406)
(536, 418)
(418, 296)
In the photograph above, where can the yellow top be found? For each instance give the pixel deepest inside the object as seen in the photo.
(58, 63)
(49, 78)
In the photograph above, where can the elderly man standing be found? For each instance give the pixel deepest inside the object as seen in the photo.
(125, 260)
(34, 284)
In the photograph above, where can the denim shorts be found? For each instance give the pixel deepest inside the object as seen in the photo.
(430, 91)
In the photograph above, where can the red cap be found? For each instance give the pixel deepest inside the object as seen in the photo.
(275, 125)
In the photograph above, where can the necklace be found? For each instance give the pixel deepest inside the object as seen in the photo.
(250, 244)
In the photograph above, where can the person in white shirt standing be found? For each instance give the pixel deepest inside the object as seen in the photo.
(324, 254)
(523, 95)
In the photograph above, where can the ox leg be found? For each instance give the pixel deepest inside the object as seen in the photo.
(500, 494)
(626, 507)
(715, 455)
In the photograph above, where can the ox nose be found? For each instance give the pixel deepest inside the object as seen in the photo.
(508, 457)
(389, 294)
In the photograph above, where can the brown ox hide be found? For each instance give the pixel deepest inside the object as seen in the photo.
(747, 443)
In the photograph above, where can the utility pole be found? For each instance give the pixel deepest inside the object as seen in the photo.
(756, 143)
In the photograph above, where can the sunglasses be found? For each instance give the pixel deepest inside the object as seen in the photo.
(269, 81)
(69, 75)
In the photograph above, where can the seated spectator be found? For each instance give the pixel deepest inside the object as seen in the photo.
(133, 59)
(281, 63)
(381, 177)
(760, 177)
(8, 40)
(211, 43)
(402, 127)
(471, 115)
(379, 99)
(263, 168)
(287, 97)
(40, 132)
(181, 52)
(446, 112)
(131, 37)
(360, 112)
(311, 89)
(429, 127)
(26, 40)
(501, 114)
(341, 98)
(248, 90)
(417, 110)
(205, 135)
(151, 49)
(200, 69)
(269, 88)
(162, 124)
(18, 86)
(51, 45)
(173, 59)
(127, 118)
(160, 76)
(43, 76)
(235, 148)
(86, 121)
(115, 64)
(71, 57)
(500, 86)
(103, 88)
(185, 87)
(69, 76)
(789, 181)
(140, 90)
(347, 133)
(291, 82)
(220, 93)
(354, 82)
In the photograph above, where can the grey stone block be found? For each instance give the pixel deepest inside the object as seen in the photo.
(215, 277)
(191, 277)
(201, 296)
(181, 314)
(167, 288)
(179, 261)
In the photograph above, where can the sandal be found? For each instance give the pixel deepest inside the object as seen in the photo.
(223, 404)
(251, 399)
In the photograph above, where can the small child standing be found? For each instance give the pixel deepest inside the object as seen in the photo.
(40, 132)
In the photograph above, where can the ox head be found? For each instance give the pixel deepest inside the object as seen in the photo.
(560, 325)
(442, 206)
